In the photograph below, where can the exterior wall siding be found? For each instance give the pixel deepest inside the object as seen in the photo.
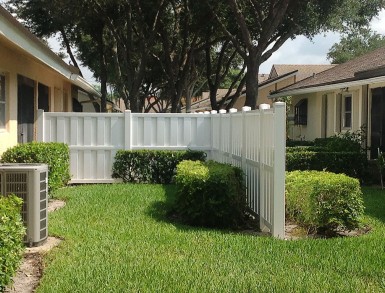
(14, 63)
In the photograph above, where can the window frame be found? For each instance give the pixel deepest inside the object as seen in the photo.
(3, 102)
(301, 112)
(346, 112)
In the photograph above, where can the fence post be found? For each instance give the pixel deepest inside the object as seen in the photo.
(127, 130)
(40, 125)
(222, 112)
(279, 170)
(262, 158)
(213, 112)
(244, 138)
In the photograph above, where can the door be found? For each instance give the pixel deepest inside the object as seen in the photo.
(25, 109)
(377, 122)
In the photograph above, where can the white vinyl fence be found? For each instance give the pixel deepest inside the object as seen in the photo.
(253, 140)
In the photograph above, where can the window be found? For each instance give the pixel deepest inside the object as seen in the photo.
(2, 102)
(300, 112)
(347, 112)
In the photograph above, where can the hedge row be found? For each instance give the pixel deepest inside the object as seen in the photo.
(323, 200)
(350, 163)
(150, 166)
(11, 238)
(210, 194)
(55, 155)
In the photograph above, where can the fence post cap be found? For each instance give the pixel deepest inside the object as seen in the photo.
(279, 104)
(264, 107)
(222, 111)
(233, 110)
(206, 112)
(246, 109)
(214, 111)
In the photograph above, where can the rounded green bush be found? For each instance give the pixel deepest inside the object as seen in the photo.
(323, 200)
(210, 194)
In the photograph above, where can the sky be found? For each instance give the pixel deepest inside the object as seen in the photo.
(305, 51)
(298, 51)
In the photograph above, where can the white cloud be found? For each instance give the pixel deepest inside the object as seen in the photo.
(378, 24)
(303, 51)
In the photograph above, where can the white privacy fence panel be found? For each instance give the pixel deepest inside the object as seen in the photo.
(93, 140)
(253, 141)
(171, 131)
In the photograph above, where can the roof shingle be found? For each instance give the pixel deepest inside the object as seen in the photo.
(342, 72)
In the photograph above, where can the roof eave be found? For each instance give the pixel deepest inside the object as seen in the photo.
(327, 87)
(20, 37)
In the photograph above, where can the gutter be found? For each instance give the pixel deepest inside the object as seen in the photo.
(83, 84)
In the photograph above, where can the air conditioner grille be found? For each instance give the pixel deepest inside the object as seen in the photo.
(43, 234)
(43, 204)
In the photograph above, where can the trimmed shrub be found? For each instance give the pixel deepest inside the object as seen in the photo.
(11, 238)
(343, 142)
(296, 143)
(323, 200)
(149, 166)
(350, 163)
(55, 155)
(210, 194)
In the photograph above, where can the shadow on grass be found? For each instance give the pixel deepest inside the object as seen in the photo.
(374, 201)
(161, 211)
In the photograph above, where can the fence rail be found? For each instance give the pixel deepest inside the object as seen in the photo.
(253, 141)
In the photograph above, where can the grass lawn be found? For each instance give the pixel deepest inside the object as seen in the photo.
(117, 239)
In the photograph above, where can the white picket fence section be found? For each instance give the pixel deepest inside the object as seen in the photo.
(254, 141)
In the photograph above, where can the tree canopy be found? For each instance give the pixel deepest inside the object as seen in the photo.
(355, 43)
(170, 49)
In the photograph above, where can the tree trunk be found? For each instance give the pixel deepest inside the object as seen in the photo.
(69, 50)
(252, 62)
(103, 74)
(213, 97)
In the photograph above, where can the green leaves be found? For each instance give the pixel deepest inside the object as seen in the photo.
(148, 166)
(323, 200)
(210, 194)
(11, 238)
(55, 155)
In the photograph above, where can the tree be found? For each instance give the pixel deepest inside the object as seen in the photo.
(45, 18)
(355, 43)
(163, 48)
(263, 26)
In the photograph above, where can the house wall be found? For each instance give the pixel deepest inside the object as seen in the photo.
(313, 128)
(12, 63)
(264, 92)
(325, 114)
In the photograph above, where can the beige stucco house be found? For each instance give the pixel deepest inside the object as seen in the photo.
(32, 77)
(280, 76)
(344, 98)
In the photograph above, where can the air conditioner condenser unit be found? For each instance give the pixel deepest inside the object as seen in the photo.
(30, 183)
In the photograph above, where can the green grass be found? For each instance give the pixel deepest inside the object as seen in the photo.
(117, 239)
